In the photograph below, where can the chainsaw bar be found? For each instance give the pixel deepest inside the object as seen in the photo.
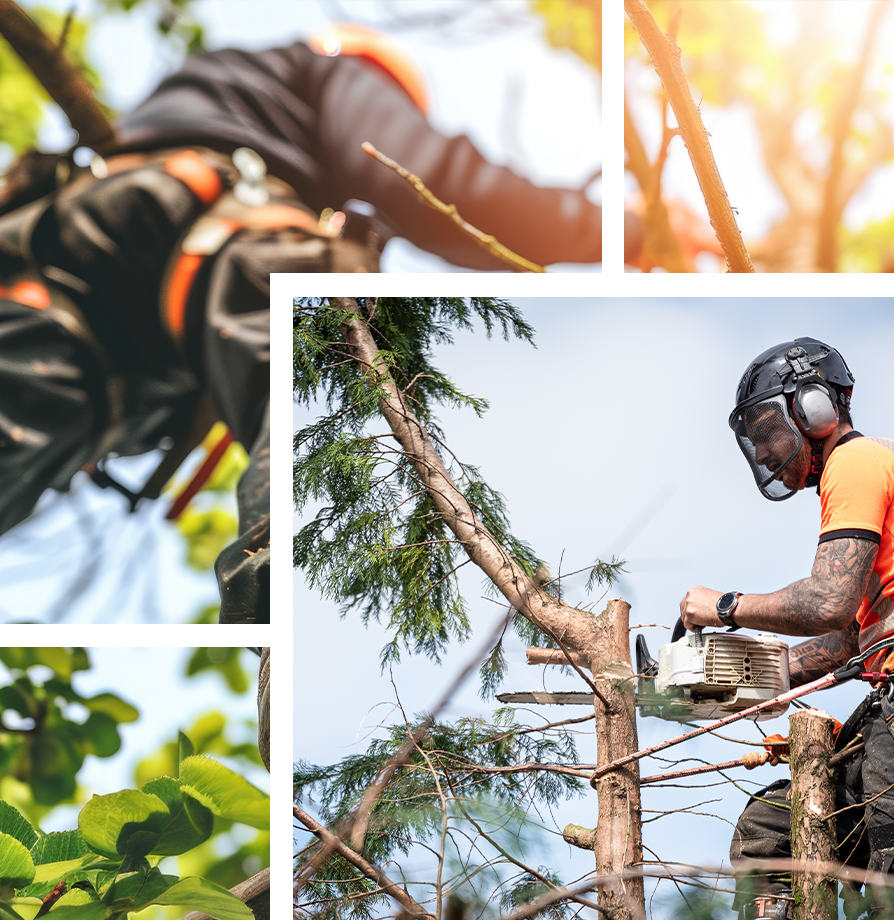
(570, 698)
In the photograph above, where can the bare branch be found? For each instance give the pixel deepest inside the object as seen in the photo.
(665, 55)
(485, 240)
(334, 845)
(58, 76)
(656, 222)
(833, 200)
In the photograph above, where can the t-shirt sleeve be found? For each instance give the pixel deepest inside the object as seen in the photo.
(854, 495)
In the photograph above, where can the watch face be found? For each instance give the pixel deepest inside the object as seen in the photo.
(726, 602)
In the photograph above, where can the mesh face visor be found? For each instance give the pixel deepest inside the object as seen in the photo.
(769, 440)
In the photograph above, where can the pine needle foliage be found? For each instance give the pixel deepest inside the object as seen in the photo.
(376, 543)
(449, 799)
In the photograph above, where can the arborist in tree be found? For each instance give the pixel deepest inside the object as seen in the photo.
(307, 108)
(792, 421)
(134, 292)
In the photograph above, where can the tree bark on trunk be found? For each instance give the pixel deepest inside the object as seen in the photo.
(813, 799)
(618, 844)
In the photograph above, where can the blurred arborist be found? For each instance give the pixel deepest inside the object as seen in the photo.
(792, 422)
(149, 293)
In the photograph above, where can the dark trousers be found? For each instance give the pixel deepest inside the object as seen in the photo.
(865, 829)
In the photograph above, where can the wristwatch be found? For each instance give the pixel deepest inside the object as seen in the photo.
(726, 604)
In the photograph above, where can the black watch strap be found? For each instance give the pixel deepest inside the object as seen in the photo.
(726, 606)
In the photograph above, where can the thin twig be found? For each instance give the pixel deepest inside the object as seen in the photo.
(485, 240)
(356, 824)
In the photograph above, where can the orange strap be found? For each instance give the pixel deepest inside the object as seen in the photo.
(183, 274)
(201, 178)
(28, 293)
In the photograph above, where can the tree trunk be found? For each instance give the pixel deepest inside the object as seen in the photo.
(813, 798)
(619, 840)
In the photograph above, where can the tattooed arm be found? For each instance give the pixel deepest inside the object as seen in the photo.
(816, 657)
(826, 602)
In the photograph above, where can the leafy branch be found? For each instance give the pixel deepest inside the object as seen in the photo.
(108, 867)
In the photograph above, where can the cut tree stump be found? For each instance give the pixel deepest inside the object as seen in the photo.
(813, 800)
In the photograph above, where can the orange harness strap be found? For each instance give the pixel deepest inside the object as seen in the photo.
(29, 293)
(207, 237)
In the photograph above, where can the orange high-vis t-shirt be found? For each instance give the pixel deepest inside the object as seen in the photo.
(857, 498)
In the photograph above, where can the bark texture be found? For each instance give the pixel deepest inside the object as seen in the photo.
(581, 837)
(618, 839)
(813, 799)
(65, 84)
(537, 655)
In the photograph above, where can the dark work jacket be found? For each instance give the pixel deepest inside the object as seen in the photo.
(307, 116)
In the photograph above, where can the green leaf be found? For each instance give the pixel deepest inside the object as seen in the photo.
(19, 697)
(12, 822)
(95, 910)
(137, 890)
(190, 823)
(226, 793)
(200, 894)
(55, 759)
(52, 872)
(20, 909)
(113, 706)
(59, 846)
(73, 898)
(16, 865)
(112, 823)
(80, 660)
(24, 645)
(185, 748)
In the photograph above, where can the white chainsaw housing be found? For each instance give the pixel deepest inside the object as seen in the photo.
(717, 674)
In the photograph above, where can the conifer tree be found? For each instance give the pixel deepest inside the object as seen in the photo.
(398, 515)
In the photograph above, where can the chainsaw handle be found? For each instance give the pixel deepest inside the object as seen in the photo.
(680, 630)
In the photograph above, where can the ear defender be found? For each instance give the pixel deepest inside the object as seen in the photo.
(813, 406)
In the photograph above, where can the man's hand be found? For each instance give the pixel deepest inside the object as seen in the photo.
(699, 607)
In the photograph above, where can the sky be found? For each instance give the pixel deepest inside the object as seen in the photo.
(611, 438)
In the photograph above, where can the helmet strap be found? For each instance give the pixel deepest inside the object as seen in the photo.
(816, 463)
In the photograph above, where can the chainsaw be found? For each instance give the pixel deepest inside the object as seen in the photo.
(702, 675)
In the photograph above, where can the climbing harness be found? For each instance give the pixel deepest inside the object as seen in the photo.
(849, 671)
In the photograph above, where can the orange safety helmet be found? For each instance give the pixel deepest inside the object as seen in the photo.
(358, 41)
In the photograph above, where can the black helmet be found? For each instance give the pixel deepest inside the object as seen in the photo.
(793, 388)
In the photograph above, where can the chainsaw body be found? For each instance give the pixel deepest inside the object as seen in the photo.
(712, 675)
